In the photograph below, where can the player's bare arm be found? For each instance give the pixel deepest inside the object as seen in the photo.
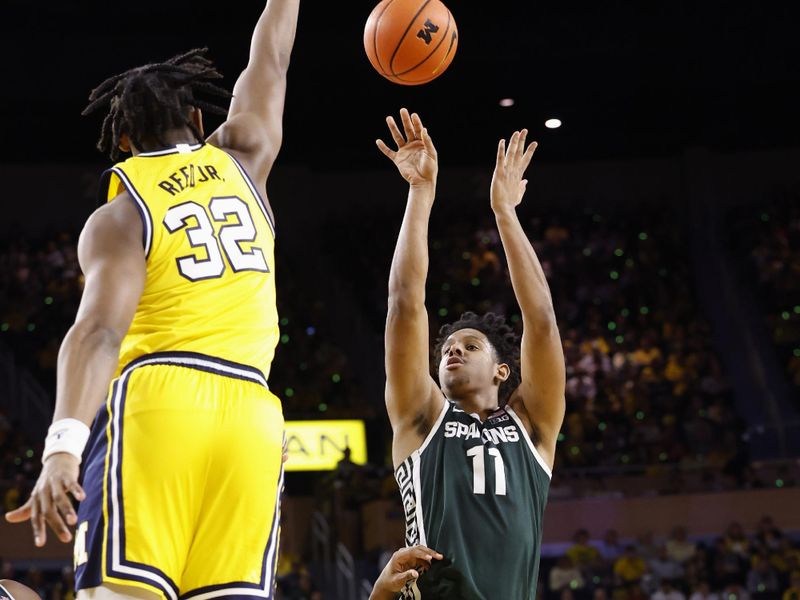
(404, 566)
(541, 391)
(412, 396)
(254, 129)
(113, 262)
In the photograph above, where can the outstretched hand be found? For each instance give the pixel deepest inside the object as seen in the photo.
(404, 566)
(49, 502)
(508, 186)
(416, 156)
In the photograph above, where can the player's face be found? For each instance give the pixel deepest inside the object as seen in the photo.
(468, 363)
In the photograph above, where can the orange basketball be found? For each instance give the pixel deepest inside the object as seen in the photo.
(411, 41)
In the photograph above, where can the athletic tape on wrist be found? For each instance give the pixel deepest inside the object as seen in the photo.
(66, 435)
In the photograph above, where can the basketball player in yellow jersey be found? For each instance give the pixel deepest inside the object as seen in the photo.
(169, 356)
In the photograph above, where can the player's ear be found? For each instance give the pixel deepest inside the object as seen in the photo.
(503, 372)
(197, 118)
(124, 143)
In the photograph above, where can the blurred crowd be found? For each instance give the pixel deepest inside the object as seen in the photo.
(19, 464)
(734, 566)
(41, 286)
(644, 386)
(767, 240)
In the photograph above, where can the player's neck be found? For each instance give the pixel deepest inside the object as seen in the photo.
(480, 404)
(173, 137)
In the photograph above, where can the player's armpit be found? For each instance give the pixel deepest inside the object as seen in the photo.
(413, 399)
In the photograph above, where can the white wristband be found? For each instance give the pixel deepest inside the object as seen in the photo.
(66, 435)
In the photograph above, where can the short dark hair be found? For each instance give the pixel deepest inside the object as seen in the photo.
(502, 337)
(148, 101)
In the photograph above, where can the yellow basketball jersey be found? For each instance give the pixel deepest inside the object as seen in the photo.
(209, 243)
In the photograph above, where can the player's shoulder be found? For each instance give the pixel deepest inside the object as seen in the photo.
(119, 212)
(116, 223)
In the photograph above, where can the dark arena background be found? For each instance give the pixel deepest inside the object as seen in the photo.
(665, 210)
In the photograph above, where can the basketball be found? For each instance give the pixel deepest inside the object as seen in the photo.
(411, 42)
(17, 591)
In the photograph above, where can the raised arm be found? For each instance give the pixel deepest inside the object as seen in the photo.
(410, 390)
(542, 357)
(255, 121)
(113, 262)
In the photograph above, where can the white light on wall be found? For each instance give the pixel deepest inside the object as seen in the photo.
(506, 102)
(552, 123)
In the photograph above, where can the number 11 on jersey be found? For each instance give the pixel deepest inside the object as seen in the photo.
(479, 470)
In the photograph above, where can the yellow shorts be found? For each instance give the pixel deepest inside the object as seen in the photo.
(183, 476)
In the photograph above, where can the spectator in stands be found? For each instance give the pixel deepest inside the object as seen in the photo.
(767, 534)
(15, 494)
(610, 547)
(679, 548)
(565, 575)
(728, 565)
(793, 591)
(762, 581)
(736, 541)
(583, 554)
(646, 545)
(666, 591)
(702, 591)
(735, 591)
(600, 593)
(663, 567)
(630, 567)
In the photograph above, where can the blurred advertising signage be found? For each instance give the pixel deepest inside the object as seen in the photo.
(319, 445)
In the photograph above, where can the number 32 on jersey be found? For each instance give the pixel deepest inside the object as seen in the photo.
(225, 239)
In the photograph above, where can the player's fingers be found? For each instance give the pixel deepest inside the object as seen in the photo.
(52, 516)
(426, 553)
(63, 504)
(37, 524)
(426, 139)
(408, 127)
(385, 149)
(395, 131)
(521, 148)
(416, 124)
(526, 158)
(401, 579)
(512, 146)
(21, 514)
(501, 155)
(76, 490)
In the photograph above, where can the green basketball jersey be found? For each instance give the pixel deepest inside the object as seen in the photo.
(476, 491)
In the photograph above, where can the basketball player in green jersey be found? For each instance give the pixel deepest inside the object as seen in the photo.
(473, 455)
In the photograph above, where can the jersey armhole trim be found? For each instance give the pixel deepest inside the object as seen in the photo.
(253, 190)
(138, 201)
(436, 425)
(527, 437)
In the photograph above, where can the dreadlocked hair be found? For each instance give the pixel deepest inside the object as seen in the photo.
(148, 101)
(502, 337)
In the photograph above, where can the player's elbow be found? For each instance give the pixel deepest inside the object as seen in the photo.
(282, 59)
(541, 320)
(403, 302)
(94, 333)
